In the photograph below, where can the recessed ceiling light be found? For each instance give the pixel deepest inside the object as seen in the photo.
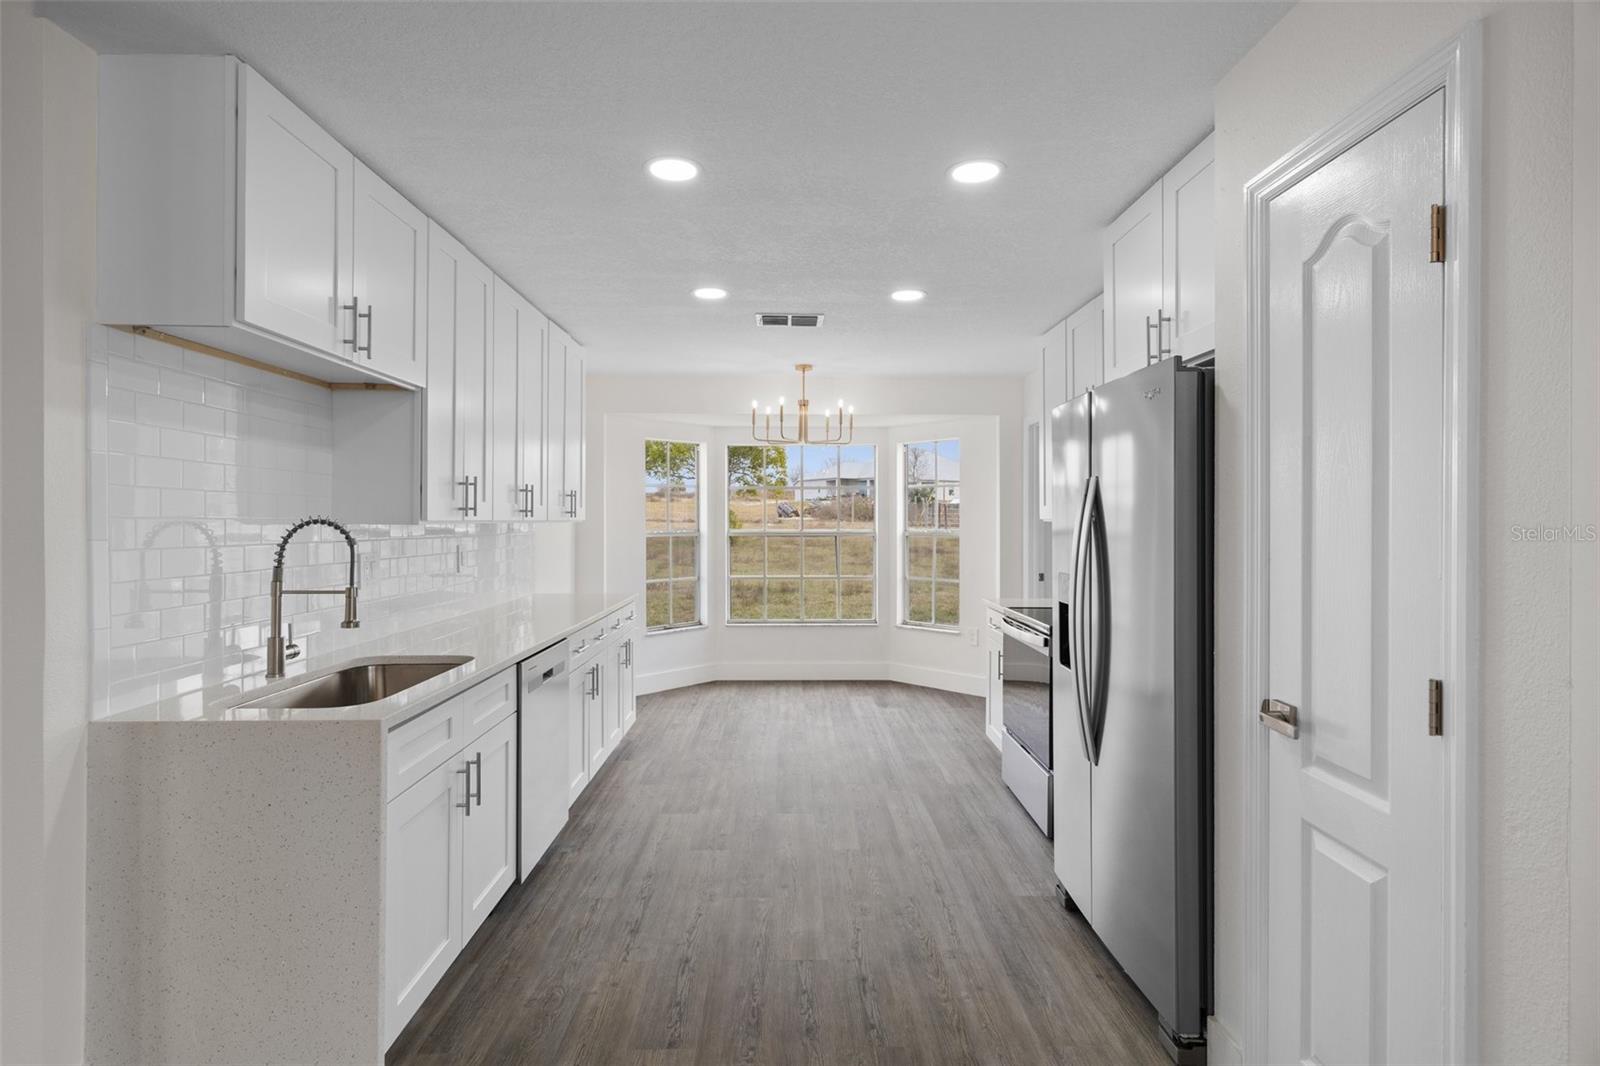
(670, 168)
(975, 171)
(907, 296)
(710, 292)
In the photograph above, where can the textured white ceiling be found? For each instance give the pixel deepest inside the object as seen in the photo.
(825, 131)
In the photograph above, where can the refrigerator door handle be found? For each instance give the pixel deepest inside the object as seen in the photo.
(1102, 624)
(1080, 667)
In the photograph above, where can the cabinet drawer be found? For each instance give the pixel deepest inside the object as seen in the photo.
(421, 744)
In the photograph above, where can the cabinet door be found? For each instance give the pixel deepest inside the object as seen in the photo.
(532, 382)
(422, 896)
(611, 712)
(1085, 347)
(558, 504)
(460, 330)
(579, 684)
(489, 830)
(605, 680)
(518, 326)
(1188, 274)
(572, 458)
(1133, 286)
(295, 230)
(1053, 373)
(391, 279)
(627, 698)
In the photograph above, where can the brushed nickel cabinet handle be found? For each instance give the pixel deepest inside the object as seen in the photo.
(365, 349)
(355, 327)
(476, 794)
(466, 804)
(1280, 717)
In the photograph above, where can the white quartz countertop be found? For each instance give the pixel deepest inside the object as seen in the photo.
(495, 637)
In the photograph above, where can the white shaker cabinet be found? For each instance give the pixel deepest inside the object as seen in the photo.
(456, 456)
(1053, 374)
(489, 830)
(1085, 347)
(565, 425)
(627, 698)
(1159, 266)
(1188, 254)
(520, 479)
(994, 645)
(422, 895)
(391, 280)
(1132, 265)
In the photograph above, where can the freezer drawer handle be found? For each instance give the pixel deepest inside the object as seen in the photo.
(1281, 717)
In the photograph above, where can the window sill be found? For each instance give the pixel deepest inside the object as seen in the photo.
(696, 628)
(915, 627)
(781, 624)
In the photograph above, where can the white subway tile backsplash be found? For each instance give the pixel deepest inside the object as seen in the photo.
(197, 467)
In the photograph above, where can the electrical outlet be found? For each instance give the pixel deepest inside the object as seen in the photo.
(972, 636)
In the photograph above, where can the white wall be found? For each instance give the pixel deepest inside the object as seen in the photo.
(984, 412)
(1318, 63)
(47, 156)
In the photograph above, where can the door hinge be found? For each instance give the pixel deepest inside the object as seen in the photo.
(1435, 707)
(1436, 234)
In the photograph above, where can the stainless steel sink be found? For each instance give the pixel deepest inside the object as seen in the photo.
(358, 683)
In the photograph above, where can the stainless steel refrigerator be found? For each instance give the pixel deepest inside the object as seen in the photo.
(1131, 674)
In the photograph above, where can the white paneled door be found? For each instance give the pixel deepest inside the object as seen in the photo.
(1357, 821)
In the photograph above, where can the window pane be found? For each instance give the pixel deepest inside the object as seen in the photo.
(947, 603)
(655, 508)
(685, 556)
(820, 560)
(855, 555)
(919, 507)
(746, 599)
(820, 596)
(819, 507)
(656, 608)
(949, 506)
(855, 600)
(919, 556)
(745, 555)
(857, 507)
(919, 463)
(919, 601)
(744, 508)
(794, 461)
(783, 511)
(783, 556)
(949, 460)
(947, 557)
(684, 509)
(655, 556)
(783, 599)
(685, 602)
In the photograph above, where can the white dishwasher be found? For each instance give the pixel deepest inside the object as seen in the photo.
(542, 754)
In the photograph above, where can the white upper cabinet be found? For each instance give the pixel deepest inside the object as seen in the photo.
(1133, 285)
(456, 459)
(1160, 292)
(391, 280)
(1188, 254)
(1053, 374)
(295, 227)
(518, 415)
(1086, 347)
(573, 465)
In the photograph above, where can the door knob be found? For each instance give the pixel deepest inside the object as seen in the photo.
(1281, 717)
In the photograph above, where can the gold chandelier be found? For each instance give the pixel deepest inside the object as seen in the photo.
(834, 428)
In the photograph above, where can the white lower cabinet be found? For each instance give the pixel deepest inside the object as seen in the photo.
(601, 704)
(422, 897)
(489, 838)
(994, 642)
(451, 839)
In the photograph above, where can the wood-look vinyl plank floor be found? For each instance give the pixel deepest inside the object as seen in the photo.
(807, 873)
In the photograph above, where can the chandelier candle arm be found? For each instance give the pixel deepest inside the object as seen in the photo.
(835, 428)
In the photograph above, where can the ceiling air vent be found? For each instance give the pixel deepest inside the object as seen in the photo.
(774, 319)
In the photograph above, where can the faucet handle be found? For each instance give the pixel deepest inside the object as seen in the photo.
(291, 650)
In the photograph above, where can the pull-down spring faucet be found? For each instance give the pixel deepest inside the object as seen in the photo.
(275, 643)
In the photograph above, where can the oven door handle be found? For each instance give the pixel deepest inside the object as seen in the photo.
(1025, 635)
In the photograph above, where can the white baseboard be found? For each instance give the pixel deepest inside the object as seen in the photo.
(1221, 1048)
(944, 680)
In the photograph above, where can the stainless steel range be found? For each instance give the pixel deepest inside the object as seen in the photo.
(1025, 709)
